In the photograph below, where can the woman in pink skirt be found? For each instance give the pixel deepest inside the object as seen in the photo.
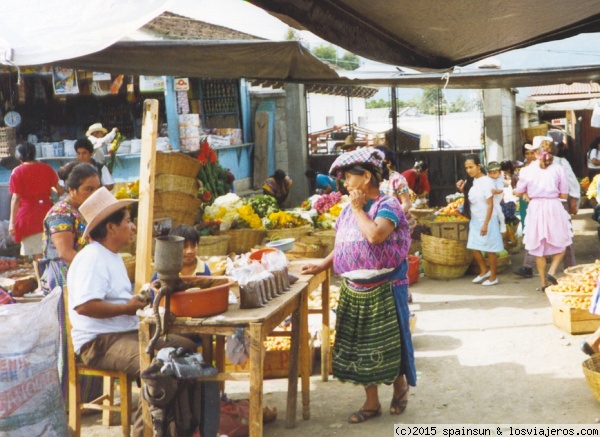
(547, 228)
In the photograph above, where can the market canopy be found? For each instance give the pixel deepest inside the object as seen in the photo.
(34, 32)
(433, 34)
(230, 59)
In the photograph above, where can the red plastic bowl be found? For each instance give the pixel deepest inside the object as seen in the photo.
(413, 269)
(209, 297)
(258, 254)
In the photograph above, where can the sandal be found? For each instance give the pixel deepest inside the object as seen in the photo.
(398, 404)
(551, 279)
(363, 415)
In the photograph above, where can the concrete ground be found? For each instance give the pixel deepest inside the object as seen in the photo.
(487, 355)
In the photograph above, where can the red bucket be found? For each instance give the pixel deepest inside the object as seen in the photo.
(413, 269)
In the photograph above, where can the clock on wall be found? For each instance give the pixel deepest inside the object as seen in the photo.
(12, 119)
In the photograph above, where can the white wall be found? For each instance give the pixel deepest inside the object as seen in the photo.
(324, 107)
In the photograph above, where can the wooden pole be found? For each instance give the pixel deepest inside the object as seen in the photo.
(143, 272)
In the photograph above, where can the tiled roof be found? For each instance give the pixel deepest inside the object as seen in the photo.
(177, 27)
(574, 88)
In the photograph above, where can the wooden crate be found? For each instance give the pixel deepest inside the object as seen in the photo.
(277, 364)
(574, 320)
(450, 230)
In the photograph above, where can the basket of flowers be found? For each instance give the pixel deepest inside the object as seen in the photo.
(287, 224)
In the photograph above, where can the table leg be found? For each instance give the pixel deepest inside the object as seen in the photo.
(220, 359)
(144, 339)
(325, 331)
(256, 379)
(292, 395)
(305, 364)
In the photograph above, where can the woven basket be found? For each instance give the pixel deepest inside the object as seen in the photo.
(533, 131)
(297, 233)
(182, 184)
(130, 266)
(438, 271)
(581, 268)
(504, 263)
(176, 201)
(213, 245)
(327, 239)
(176, 163)
(8, 142)
(242, 240)
(591, 370)
(177, 217)
(445, 252)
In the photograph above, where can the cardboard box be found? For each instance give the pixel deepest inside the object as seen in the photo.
(450, 230)
(574, 320)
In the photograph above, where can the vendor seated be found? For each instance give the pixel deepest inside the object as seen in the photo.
(192, 264)
(278, 186)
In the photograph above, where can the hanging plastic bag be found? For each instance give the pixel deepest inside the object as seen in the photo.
(237, 347)
(595, 122)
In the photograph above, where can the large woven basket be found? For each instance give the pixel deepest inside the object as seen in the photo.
(8, 142)
(327, 239)
(130, 266)
(177, 217)
(176, 201)
(581, 268)
(213, 245)
(242, 240)
(182, 184)
(591, 370)
(533, 131)
(439, 271)
(297, 233)
(176, 163)
(443, 251)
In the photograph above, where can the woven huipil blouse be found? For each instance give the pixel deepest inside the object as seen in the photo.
(354, 252)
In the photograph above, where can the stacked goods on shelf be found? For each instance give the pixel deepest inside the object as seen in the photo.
(17, 275)
(179, 205)
(189, 132)
(571, 297)
(8, 142)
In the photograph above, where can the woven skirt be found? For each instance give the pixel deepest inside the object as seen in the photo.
(367, 347)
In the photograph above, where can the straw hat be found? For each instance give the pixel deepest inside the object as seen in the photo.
(96, 127)
(532, 147)
(537, 141)
(99, 206)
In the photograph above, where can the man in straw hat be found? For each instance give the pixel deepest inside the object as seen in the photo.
(349, 144)
(102, 307)
(99, 137)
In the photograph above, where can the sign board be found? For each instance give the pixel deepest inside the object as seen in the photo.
(559, 121)
(182, 84)
(152, 84)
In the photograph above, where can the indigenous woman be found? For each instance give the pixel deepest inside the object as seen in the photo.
(484, 227)
(373, 344)
(63, 231)
(547, 230)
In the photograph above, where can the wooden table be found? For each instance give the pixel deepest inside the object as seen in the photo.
(259, 322)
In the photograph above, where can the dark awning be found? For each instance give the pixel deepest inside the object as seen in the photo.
(285, 60)
(434, 34)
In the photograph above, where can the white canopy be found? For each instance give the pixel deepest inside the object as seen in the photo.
(34, 32)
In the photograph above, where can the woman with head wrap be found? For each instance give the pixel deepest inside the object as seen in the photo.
(373, 344)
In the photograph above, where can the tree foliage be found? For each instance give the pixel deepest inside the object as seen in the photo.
(291, 35)
(328, 53)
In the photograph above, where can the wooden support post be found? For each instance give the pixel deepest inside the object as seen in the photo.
(145, 218)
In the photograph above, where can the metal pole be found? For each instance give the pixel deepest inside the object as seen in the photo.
(394, 117)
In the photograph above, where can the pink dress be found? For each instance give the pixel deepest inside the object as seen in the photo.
(547, 227)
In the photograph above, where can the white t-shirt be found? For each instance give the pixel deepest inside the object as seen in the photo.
(574, 187)
(98, 273)
(594, 154)
(498, 185)
(478, 195)
(106, 177)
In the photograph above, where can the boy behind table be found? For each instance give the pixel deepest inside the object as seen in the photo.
(494, 172)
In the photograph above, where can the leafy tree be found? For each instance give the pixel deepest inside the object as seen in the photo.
(328, 53)
(380, 103)
(291, 35)
(349, 61)
(429, 101)
(459, 105)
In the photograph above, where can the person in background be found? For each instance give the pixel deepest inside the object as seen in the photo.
(530, 153)
(593, 158)
(547, 228)
(417, 178)
(373, 344)
(100, 137)
(85, 152)
(495, 173)
(278, 186)
(349, 144)
(102, 307)
(30, 185)
(323, 184)
(508, 169)
(192, 264)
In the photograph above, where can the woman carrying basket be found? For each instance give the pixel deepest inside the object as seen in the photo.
(373, 344)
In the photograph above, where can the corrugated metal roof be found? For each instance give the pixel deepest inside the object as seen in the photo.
(574, 88)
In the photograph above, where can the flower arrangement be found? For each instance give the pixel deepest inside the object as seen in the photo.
(112, 151)
(264, 205)
(213, 177)
(324, 203)
(209, 227)
(284, 220)
(233, 213)
(328, 207)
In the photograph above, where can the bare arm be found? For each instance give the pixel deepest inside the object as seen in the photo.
(63, 241)
(404, 199)
(15, 203)
(314, 269)
(100, 309)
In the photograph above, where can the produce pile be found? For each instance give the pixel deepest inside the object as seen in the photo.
(576, 289)
(451, 212)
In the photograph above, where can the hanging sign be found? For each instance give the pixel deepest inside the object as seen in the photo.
(152, 84)
(182, 84)
(64, 81)
(97, 76)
